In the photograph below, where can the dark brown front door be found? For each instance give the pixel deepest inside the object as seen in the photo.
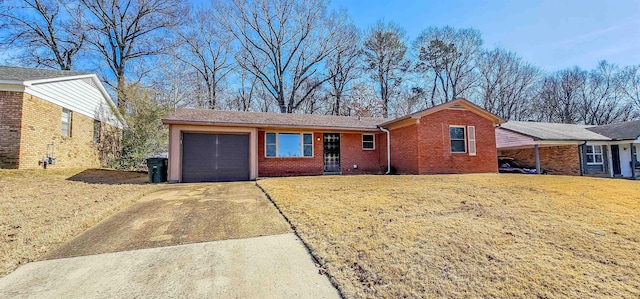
(331, 152)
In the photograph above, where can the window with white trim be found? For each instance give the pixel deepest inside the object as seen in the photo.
(368, 142)
(457, 139)
(288, 144)
(66, 122)
(594, 155)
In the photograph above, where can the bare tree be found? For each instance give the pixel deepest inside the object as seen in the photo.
(559, 97)
(631, 84)
(384, 58)
(363, 102)
(450, 54)
(205, 47)
(343, 66)
(42, 32)
(124, 30)
(603, 100)
(506, 84)
(283, 44)
(242, 99)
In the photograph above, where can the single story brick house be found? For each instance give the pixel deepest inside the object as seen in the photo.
(54, 118)
(211, 145)
(605, 151)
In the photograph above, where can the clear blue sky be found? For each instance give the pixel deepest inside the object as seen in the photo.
(549, 34)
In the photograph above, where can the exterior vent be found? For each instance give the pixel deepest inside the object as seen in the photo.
(90, 82)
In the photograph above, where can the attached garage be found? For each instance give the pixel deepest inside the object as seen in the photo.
(215, 157)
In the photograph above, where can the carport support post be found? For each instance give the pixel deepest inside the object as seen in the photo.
(633, 160)
(537, 153)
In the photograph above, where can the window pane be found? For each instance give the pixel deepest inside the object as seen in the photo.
(367, 138)
(308, 150)
(456, 133)
(289, 145)
(597, 149)
(271, 138)
(457, 146)
(367, 145)
(589, 158)
(589, 149)
(598, 159)
(308, 139)
(271, 150)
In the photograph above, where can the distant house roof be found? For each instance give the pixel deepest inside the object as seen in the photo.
(81, 92)
(553, 131)
(629, 130)
(268, 119)
(12, 73)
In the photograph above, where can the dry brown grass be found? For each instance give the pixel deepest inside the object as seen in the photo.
(39, 210)
(458, 236)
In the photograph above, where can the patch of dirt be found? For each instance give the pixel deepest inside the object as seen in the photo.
(41, 209)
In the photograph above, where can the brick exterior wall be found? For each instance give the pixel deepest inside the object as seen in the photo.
(351, 152)
(563, 160)
(434, 151)
(41, 125)
(368, 161)
(10, 128)
(404, 150)
(268, 167)
(421, 148)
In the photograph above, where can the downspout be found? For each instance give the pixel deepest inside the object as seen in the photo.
(388, 149)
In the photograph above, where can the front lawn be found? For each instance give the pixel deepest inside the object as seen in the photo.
(487, 235)
(41, 209)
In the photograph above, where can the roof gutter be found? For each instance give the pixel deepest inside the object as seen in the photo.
(265, 126)
(388, 149)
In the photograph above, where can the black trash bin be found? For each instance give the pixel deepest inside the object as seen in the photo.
(157, 170)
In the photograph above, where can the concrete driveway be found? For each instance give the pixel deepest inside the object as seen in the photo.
(182, 214)
(275, 266)
(235, 244)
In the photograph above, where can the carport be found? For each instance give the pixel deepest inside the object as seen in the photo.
(557, 148)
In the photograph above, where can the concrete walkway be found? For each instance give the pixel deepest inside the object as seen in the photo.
(276, 266)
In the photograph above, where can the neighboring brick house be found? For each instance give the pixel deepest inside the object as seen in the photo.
(568, 149)
(211, 145)
(61, 118)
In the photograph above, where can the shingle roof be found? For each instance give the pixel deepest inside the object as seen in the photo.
(552, 131)
(29, 74)
(268, 119)
(629, 130)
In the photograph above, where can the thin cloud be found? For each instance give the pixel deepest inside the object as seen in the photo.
(585, 36)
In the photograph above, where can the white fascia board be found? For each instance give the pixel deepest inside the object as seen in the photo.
(560, 142)
(40, 81)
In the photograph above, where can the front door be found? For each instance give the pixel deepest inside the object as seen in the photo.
(615, 159)
(331, 146)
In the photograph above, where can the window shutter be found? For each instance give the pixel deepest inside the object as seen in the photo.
(471, 135)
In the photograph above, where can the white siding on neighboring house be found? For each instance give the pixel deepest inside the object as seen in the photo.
(79, 95)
